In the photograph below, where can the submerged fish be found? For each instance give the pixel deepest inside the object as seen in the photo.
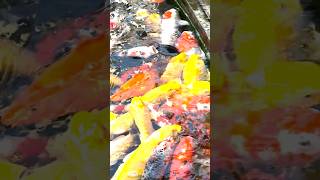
(142, 118)
(142, 51)
(134, 166)
(119, 147)
(194, 70)
(156, 167)
(57, 90)
(169, 27)
(138, 85)
(121, 124)
(174, 68)
(161, 91)
(186, 41)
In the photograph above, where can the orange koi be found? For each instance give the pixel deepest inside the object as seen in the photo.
(138, 85)
(59, 89)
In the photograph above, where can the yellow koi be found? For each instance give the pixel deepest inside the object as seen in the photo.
(121, 124)
(119, 146)
(198, 87)
(174, 68)
(194, 70)
(113, 116)
(142, 117)
(134, 166)
(161, 91)
(10, 170)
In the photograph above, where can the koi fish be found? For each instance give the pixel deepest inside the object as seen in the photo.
(169, 27)
(142, 13)
(194, 70)
(157, 1)
(154, 21)
(41, 101)
(138, 85)
(161, 91)
(76, 150)
(174, 68)
(113, 116)
(156, 167)
(142, 51)
(119, 146)
(186, 41)
(142, 118)
(181, 165)
(134, 166)
(121, 124)
(46, 48)
(198, 88)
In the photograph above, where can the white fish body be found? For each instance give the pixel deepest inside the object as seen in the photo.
(169, 27)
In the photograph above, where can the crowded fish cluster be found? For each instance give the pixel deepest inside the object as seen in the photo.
(160, 94)
(46, 130)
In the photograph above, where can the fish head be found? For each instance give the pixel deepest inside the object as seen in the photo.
(186, 41)
(170, 14)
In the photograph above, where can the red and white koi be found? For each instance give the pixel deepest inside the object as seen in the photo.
(169, 27)
(188, 43)
(182, 163)
(142, 51)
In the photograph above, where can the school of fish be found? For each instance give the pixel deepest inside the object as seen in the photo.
(160, 95)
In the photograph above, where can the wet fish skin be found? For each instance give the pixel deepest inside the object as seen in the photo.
(138, 85)
(161, 91)
(174, 68)
(142, 118)
(141, 51)
(156, 167)
(119, 146)
(194, 70)
(121, 124)
(181, 165)
(186, 41)
(41, 100)
(169, 27)
(134, 166)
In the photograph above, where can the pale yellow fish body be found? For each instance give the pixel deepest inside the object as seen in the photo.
(134, 166)
(142, 117)
(161, 91)
(174, 68)
(121, 124)
(119, 146)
